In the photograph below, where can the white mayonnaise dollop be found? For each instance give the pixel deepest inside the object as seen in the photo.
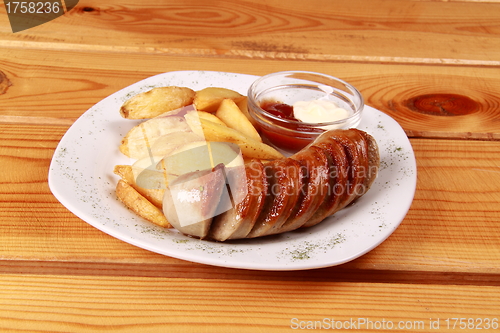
(319, 111)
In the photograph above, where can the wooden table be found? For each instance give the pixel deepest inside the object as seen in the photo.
(434, 66)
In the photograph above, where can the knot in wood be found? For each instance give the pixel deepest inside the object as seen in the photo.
(443, 104)
(4, 83)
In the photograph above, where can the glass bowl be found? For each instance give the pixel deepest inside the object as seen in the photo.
(290, 87)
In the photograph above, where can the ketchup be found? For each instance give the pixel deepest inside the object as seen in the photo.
(280, 110)
(282, 138)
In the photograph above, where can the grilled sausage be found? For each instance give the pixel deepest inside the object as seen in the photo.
(290, 193)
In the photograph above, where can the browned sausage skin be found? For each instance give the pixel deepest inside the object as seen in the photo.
(283, 176)
(300, 191)
(338, 179)
(258, 187)
(315, 165)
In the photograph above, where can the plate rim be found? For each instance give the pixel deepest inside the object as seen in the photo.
(56, 190)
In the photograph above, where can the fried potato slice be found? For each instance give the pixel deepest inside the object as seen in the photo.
(250, 148)
(200, 155)
(211, 117)
(209, 99)
(141, 138)
(157, 101)
(138, 204)
(165, 144)
(243, 105)
(193, 120)
(232, 116)
(126, 173)
(148, 175)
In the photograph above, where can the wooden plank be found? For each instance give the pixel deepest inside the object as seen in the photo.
(80, 304)
(173, 268)
(376, 30)
(428, 101)
(432, 65)
(454, 219)
(485, 1)
(452, 225)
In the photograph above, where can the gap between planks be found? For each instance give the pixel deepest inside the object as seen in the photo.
(199, 271)
(251, 54)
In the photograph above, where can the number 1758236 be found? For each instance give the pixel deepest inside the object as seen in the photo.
(32, 7)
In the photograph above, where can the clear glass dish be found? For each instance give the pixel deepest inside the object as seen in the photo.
(292, 86)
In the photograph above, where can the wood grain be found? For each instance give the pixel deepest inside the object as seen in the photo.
(81, 304)
(416, 31)
(451, 226)
(65, 89)
(430, 64)
(455, 206)
(174, 269)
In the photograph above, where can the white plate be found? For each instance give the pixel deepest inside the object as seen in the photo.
(81, 178)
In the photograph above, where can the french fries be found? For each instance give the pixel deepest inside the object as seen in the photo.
(155, 196)
(210, 116)
(250, 148)
(232, 116)
(193, 120)
(243, 106)
(169, 144)
(200, 155)
(157, 101)
(209, 99)
(140, 205)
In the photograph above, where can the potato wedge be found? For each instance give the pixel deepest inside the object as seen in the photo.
(141, 138)
(147, 175)
(138, 204)
(193, 120)
(209, 99)
(187, 158)
(201, 155)
(232, 116)
(211, 117)
(243, 105)
(250, 148)
(157, 101)
(155, 196)
(166, 144)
